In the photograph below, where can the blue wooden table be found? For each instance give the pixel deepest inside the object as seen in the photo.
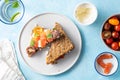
(92, 44)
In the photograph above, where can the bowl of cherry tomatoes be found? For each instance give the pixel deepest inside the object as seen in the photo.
(111, 32)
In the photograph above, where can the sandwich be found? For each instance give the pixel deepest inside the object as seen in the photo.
(59, 47)
(40, 38)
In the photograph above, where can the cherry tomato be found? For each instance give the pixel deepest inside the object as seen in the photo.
(115, 34)
(107, 26)
(117, 28)
(113, 21)
(114, 46)
(106, 34)
(109, 40)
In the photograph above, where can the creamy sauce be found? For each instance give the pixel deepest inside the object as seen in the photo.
(84, 13)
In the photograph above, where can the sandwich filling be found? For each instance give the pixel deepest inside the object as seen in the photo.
(40, 38)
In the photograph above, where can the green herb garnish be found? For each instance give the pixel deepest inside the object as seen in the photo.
(36, 34)
(14, 16)
(15, 4)
(32, 43)
(54, 28)
(6, 1)
(49, 36)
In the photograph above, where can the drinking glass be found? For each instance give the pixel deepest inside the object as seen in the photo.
(11, 11)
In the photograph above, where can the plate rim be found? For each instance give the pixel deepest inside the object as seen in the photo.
(31, 68)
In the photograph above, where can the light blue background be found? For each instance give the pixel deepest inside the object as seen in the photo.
(92, 43)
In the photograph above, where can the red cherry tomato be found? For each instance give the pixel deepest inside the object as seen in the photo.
(117, 28)
(107, 26)
(109, 41)
(115, 46)
(115, 34)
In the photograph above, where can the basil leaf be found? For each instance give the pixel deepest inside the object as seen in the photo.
(15, 4)
(32, 43)
(14, 16)
(54, 28)
(36, 35)
(49, 36)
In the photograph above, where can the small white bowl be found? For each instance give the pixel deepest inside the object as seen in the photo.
(113, 60)
(87, 13)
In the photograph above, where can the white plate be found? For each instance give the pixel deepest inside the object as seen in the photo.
(37, 62)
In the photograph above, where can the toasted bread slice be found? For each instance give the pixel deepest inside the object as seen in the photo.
(59, 47)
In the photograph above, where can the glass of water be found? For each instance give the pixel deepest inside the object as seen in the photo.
(11, 11)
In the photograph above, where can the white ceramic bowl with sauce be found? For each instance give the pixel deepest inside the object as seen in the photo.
(85, 13)
(112, 60)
